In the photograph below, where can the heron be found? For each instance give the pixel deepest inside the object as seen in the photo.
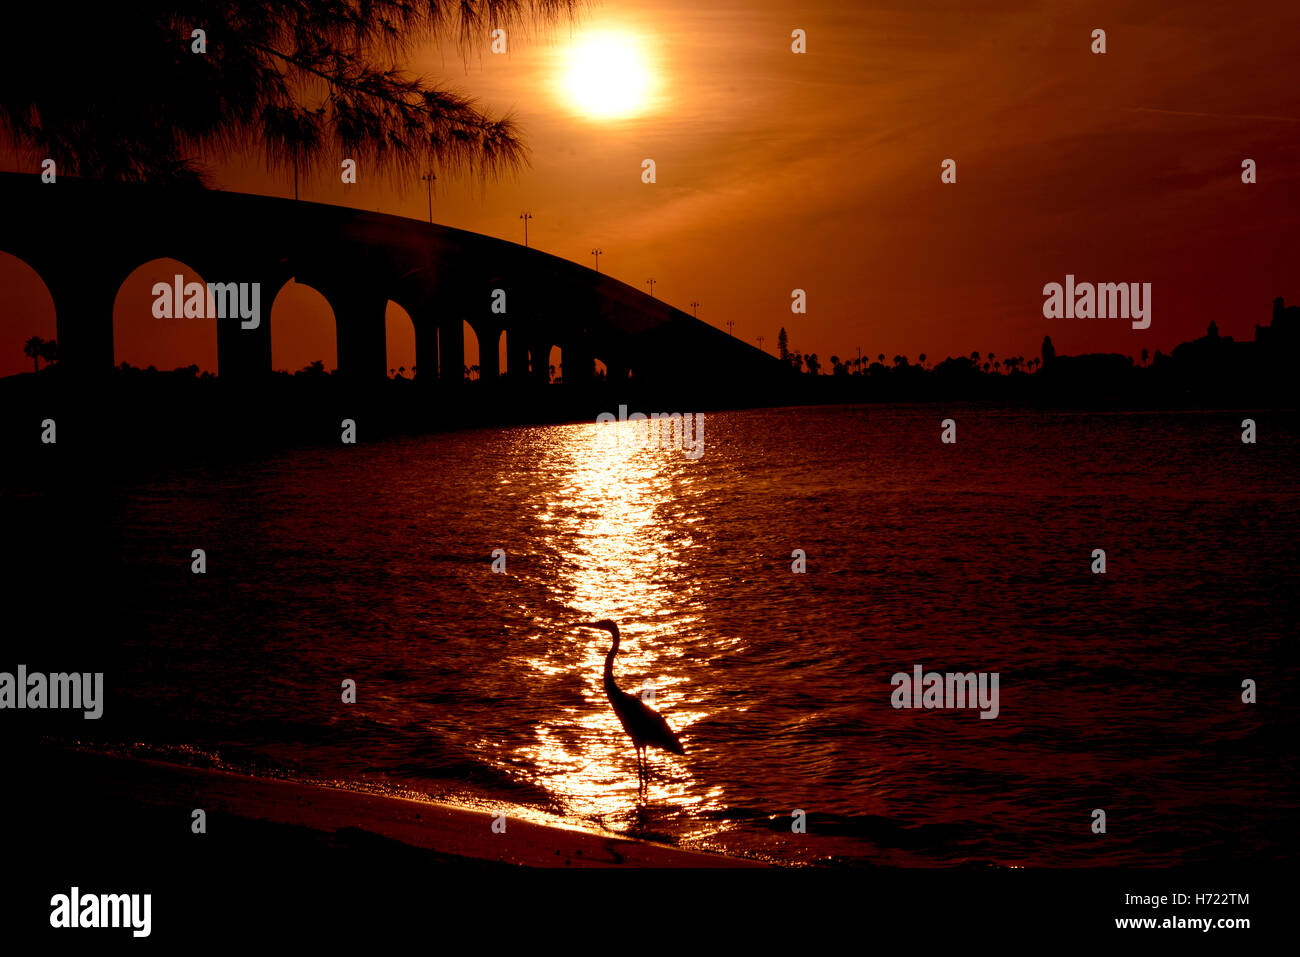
(643, 725)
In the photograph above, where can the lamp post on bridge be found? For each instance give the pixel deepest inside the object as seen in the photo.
(525, 217)
(651, 284)
(596, 253)
(760, 343)
(731, 323)
(429, 178)
(694, 307)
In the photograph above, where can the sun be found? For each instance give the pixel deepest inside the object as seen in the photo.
(608, 76)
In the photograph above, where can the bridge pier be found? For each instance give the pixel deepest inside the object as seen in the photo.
(451, 349)
(359, 308)
(577, 364)
(540, 352)
(516, 353)
(426, 347)
(244, 355)
(83, 311)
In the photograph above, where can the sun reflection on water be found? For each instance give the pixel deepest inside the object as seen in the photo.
(618, 558)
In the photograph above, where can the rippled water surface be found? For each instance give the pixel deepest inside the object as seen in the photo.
(1119, 692)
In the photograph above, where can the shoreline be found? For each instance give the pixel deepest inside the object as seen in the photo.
(146, 790)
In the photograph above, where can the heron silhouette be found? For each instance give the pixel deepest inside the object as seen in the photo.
(643, 725)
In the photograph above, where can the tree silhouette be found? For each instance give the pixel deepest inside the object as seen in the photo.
(49, 351)
(32, 349)
(309, 83)
(783, 345)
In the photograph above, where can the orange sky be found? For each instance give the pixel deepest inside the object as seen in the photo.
(821, 171)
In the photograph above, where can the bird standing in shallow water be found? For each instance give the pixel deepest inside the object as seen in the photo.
(642, 724)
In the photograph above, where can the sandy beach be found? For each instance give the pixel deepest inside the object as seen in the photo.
(146, 789)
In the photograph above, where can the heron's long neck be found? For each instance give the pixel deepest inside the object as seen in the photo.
(609, 662)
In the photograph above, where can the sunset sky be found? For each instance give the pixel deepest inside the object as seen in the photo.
(821, 171)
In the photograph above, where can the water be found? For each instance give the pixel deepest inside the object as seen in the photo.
(1119, 692)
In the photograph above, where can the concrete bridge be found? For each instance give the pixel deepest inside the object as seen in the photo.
(84, 238)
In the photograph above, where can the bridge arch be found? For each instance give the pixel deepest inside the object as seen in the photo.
(152, 323)
(304, 330)
(26, 312)
(471, 356)
(399, 341)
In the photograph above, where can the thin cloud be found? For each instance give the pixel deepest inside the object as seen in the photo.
(1222, 116)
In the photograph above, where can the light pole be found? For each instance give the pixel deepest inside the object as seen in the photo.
(429, 178)
(730, 323)
(651, 284)
(695, 306)
(760, 343)
(596, 253)
(525, 217)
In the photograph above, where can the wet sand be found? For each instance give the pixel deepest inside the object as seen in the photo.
(239, 807)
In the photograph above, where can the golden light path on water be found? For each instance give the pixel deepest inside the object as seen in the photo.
(620, 560)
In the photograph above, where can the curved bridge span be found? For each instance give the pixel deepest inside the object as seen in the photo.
(84, 238)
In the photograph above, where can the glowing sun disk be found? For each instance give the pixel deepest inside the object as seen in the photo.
(608, 76)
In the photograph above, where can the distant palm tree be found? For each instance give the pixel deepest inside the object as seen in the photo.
(32, 349)
(308, 83)
(1144, 356)
(49, 352)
